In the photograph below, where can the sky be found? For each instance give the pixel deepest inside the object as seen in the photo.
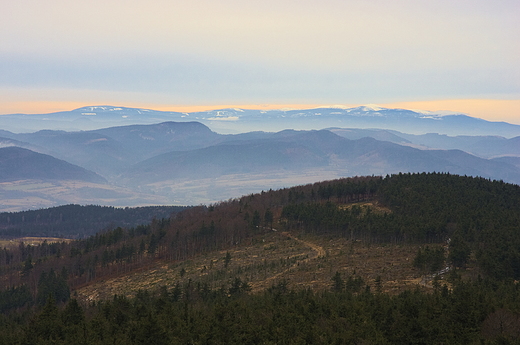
(459, 55)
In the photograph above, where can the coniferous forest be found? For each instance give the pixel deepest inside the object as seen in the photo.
(479, 220)
(76, 221)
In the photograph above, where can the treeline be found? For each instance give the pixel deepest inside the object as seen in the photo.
(75, 221)
(482, 311)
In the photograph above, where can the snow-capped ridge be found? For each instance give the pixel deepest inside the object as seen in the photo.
(371, 107)
(437, 112)
(109, 108)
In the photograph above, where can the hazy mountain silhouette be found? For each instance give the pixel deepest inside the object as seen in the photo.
(17, 163)
(145, 141)
(111, 150)
(244, 120)
(296, 151)
(482, 146)
(152, 159)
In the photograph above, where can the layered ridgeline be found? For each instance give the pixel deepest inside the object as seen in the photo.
(245, 120)
(180, 149)
(478, 217)
(186, 163)
(17, 163)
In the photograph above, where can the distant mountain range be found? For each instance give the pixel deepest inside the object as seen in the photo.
(299, 151)
(244, 120)
(489, 146)
(187, 163)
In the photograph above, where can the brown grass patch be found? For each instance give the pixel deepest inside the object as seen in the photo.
(302, 262)
(31, 241)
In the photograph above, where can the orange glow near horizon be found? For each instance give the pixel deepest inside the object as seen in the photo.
(492, 110)
(50, 107)
(487, 109)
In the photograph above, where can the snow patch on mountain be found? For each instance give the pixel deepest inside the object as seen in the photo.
(371, 107)
(436, 113)
(222, 118)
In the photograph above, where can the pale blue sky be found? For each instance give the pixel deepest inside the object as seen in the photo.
(200, 52)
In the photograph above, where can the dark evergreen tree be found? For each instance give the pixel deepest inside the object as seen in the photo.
(459, 251)
(338, 283)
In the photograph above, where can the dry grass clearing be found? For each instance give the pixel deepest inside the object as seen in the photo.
(31, 241)
(302, 262)
(267, 256)
(374, 207)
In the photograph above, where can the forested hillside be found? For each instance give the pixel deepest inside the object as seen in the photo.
(479, 218)
(76, 221)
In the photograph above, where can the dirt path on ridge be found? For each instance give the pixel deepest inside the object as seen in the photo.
(319, 252)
